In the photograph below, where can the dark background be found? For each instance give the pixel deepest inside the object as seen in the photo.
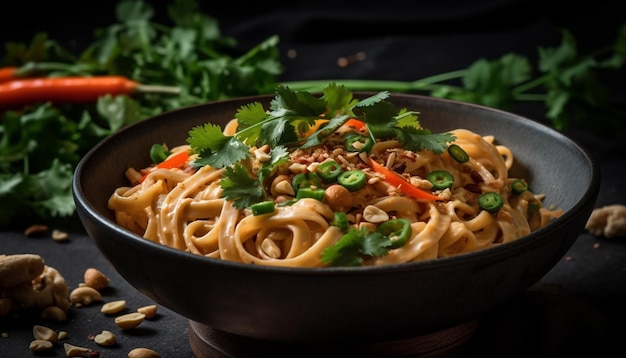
(577, 308)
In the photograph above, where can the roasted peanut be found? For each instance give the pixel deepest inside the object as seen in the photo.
(149, 311)
(45, 333)
(338, 198)
(40, 345)
(94, 278)
(105, 339)
(129, 320)
(75, 351)
(59, 236)
(143, 353)
(35, 229)
(55, 313)
(113, 307)
(84, 295)
(374, 214)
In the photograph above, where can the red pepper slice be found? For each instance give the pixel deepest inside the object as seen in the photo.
(397, 181)
(175, 161)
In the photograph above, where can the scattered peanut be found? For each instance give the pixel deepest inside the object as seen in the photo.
(129, 320)
(40, 345)
(62, 335)
(85, 295)
(106, 339)
(35, 229)
(59, 236)
(94, 278)
(45, 333)
(55, 313)
(143, 353)
(150, 311)
(113, 307)
(75, 351)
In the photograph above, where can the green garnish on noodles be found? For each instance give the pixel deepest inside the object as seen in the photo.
(287, 126)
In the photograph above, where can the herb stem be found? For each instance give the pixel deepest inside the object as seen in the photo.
(423, 84)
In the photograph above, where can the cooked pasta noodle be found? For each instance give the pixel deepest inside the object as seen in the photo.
(183, 208)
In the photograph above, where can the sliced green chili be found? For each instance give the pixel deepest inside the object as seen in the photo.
(398, 230)
(317, 194)
(352, 180)
(340, 220)
(490, 202)
(303, 180)
(440, 179)
(329, 171)
(358, 143)
(457, 153)
(518, 186)
(263, 207)
(158, 153)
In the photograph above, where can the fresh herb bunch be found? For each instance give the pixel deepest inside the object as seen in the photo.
(40, 145)
(566, 82)
(286, 127)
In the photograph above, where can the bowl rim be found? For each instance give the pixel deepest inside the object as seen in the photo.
(508, 249)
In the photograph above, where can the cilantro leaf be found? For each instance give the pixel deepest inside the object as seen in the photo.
(214, 147)
(240, 187)
(414, 139)
(355, 246)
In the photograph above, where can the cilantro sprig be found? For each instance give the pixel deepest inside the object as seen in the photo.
(355, 246)
(285, 127)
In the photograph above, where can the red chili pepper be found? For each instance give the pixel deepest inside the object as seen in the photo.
(8, 73)
(355, 123)
(175, 161)
(21, 92)
(397, 181)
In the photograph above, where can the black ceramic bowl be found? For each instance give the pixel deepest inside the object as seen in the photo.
(341, 304)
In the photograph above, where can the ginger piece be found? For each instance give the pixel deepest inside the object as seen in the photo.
(19, 268)
(29, 283)
(608, 221)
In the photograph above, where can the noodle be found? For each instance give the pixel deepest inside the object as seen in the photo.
(183, 208)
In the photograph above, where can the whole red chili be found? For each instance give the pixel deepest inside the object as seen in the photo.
(18, 93)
